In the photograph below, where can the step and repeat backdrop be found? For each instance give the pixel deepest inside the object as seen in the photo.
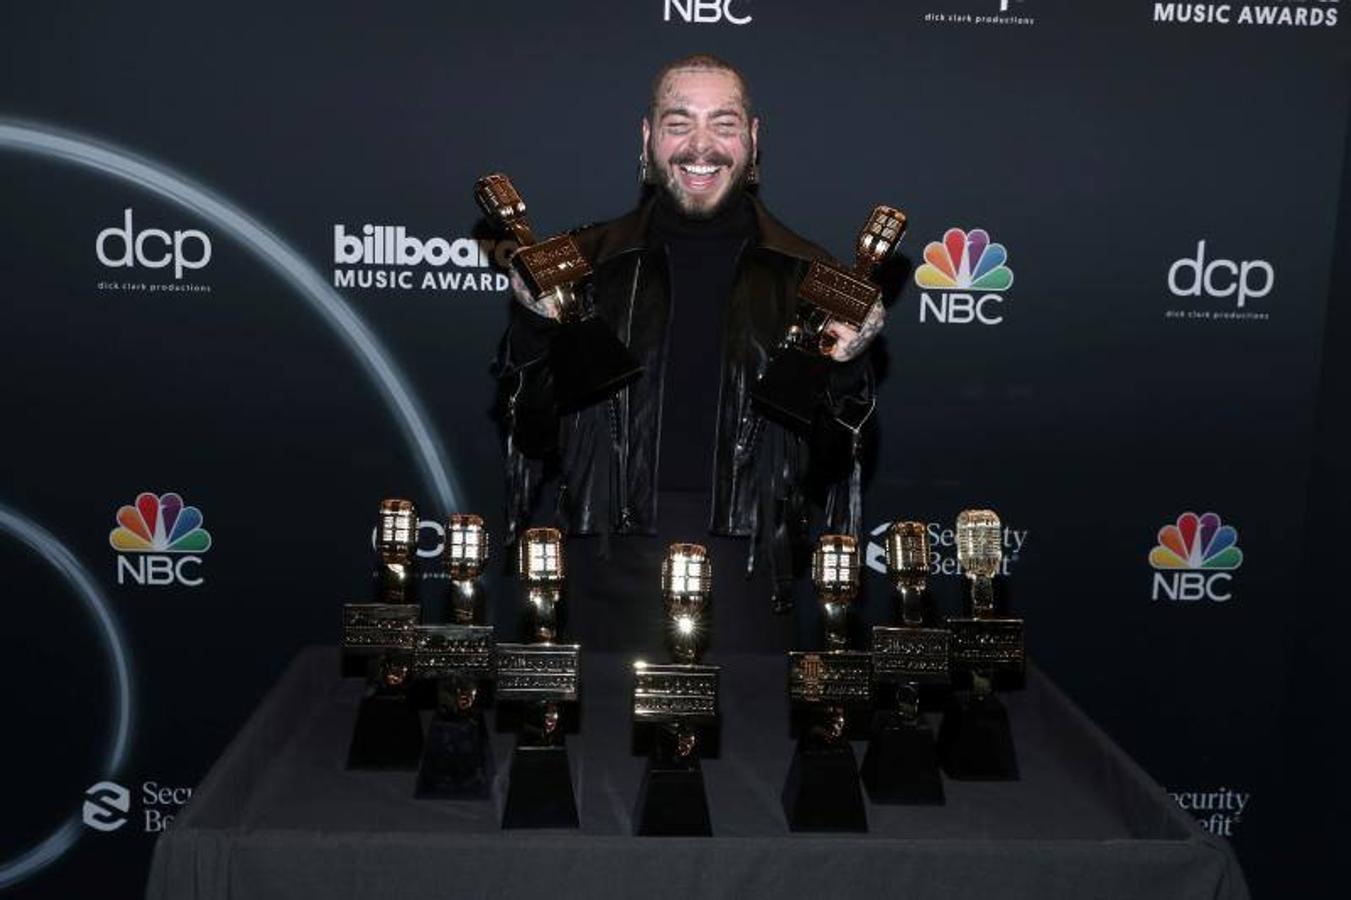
(246, 294)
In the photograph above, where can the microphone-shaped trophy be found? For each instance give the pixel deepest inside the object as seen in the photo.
(795, 380)
(676, 704)
(457, 759)
(901, 765)
(542, 677)
(974, 740)
(586, 358)
(377, 643)
(825, 691)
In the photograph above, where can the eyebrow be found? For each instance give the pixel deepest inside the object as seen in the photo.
(717, 113)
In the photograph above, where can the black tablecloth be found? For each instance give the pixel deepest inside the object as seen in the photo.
(279, 816)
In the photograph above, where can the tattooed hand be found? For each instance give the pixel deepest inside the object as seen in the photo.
(547, 306)
(849, 341)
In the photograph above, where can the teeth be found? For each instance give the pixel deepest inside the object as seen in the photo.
(700, 170)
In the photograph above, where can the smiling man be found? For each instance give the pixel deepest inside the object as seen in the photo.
(700, 282)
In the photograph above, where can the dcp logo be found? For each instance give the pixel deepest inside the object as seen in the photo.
(105, 806)
(707, 12)
(153, 248)
(1193, 276)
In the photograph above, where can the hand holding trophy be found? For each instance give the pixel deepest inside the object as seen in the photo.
(795, 381)
(586, 358)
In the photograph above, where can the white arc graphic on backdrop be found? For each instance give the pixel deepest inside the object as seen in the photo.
(163, 181)
(52, 550)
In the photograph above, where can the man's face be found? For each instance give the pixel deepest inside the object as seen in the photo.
(699, 141)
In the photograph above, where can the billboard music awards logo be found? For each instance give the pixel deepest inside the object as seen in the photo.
(981, 12)
(158, 541)
(1215, 811)
(387, 257)
(162, 252)
(1233, 281)
(107, 806)
(707, 12)
(1195, 559)
(943, 549)
(1274, 13)
(967, 273)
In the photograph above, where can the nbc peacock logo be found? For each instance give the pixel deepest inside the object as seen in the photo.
(1195, 558)
(158, 539)
(968, 274)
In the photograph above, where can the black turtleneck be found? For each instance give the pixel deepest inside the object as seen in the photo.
(701, 259)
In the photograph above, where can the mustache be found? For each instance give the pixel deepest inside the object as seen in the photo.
(712, 158)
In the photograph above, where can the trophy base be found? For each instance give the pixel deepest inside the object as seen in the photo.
(457, 760)
(539, 793)
(975, 742)
(792, 386)
(901, 766)
(822, 791)
(387, 735)
(671, 800)
(588, 363)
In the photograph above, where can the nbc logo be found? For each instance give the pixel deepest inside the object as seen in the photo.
(968, 273)
(157, 540)
(1195, 559)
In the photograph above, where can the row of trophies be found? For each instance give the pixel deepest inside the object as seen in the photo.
(836, 693)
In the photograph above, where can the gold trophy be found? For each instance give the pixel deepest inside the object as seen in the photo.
(587, 360)
(795, 381)
(457, 759)
(541, 679)
(974, 740)
(377, 643)
(827, 689)
(901, 765)
(675, 705)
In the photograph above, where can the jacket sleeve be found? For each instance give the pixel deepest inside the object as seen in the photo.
(525, 384)
(837, 442)
(526, 410)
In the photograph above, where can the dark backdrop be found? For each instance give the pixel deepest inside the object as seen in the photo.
(1091, 403)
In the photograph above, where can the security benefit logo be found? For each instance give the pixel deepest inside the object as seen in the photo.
(1212, 288)
(1217, 811)
(108, 806)
(1273, 13)
(150, 258)
(159, 540)
(943, 549)
(388, 258)
(964, 279)
(707, 12)
(1195, 560)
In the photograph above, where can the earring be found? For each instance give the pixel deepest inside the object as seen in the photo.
(642, 167)
(753, 172)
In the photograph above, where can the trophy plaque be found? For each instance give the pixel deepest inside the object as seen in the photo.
(901, 765)
(795, 381)
(541, 676)
(587, 360)
(822, 791)
(377, 644)
(975, 741)
(457, 758)
(675, 705)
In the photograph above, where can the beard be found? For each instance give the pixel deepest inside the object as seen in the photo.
(693, 206)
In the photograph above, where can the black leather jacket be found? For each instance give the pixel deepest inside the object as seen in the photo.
(766, 479)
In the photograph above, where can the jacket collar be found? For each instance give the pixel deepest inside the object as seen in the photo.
(632, 233)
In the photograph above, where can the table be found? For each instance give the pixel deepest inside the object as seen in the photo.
(279, 816)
